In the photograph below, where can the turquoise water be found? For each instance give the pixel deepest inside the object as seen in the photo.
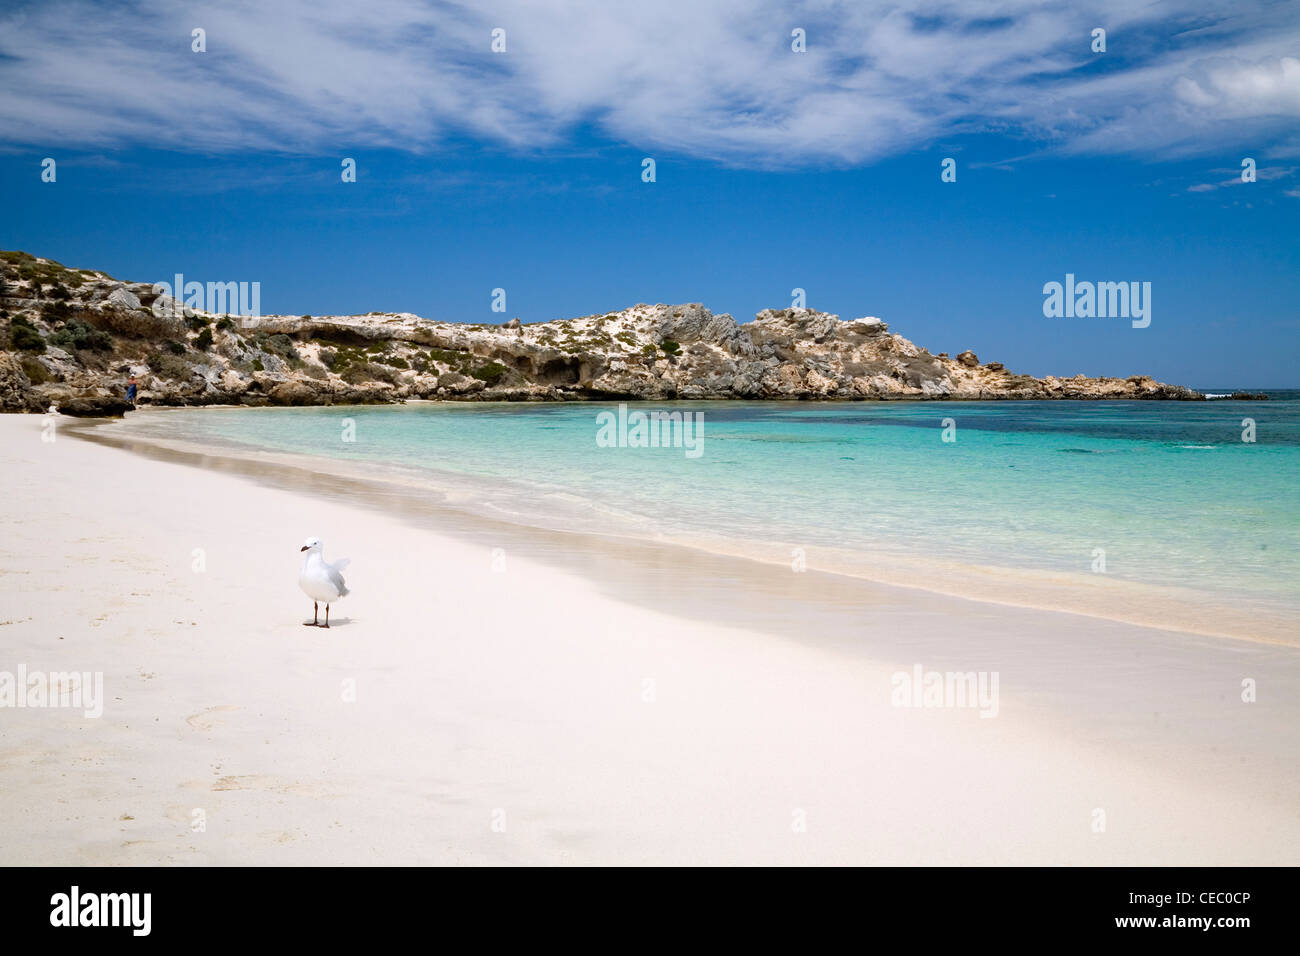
(1168, 490)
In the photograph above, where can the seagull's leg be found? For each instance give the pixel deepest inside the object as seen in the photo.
(327, 616)
(315, 614)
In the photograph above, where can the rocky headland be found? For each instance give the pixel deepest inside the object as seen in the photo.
(72, 337)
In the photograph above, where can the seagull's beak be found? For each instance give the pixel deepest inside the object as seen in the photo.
(303, 548)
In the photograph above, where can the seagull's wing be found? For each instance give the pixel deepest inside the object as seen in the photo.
(334, 571)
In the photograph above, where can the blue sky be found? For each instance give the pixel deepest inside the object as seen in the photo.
(775, 170)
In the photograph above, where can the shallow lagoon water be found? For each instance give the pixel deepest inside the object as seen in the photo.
(1159, 493)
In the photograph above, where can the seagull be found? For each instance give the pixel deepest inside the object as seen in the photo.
(321, 580)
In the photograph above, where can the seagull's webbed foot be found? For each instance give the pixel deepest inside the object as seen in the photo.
(315, 616)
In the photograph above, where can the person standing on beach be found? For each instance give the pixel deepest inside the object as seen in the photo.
(131, 389)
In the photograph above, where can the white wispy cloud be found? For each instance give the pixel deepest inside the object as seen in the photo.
(1263, 174)
(711, 80)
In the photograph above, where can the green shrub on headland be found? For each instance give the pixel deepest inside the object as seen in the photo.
(281, 345)
(490, 373)
(48, 272)
(36, 373)
(24, 337)
(76, 334)
(358, 373)
(169, 366)
(453, 358)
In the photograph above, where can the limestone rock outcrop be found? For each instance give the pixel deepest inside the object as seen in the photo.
(71, 335)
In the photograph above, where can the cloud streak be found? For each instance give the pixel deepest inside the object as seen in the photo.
(714, 81)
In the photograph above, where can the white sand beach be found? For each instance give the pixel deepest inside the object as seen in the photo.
(660, 709)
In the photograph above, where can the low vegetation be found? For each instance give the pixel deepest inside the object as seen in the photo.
(490, 372)
(76, 335)
(24, 336)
